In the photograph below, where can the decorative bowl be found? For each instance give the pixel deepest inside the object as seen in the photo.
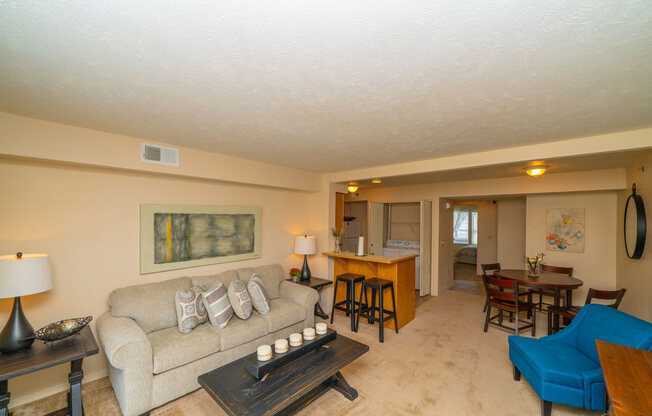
(62, 329)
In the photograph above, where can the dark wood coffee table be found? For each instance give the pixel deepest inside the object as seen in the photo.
(287, 389)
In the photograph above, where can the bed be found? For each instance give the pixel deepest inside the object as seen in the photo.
(467, 254)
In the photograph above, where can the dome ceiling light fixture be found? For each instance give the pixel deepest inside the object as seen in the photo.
(536, 170)
(353, 186)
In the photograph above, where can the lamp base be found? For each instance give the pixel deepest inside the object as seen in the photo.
(16, 334)
(305, 270)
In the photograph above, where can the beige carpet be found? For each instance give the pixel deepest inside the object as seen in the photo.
(440, 364)
(468, 272)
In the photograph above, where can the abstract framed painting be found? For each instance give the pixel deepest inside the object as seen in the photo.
(565, 229)
(181, 236)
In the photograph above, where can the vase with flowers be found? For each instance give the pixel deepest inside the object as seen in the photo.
(295, 274)
(534, 264)
(338, 237)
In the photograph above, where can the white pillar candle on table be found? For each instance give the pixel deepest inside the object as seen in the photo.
(320, 328)
(309, 334)
(264, 353)
(295, 339)
(361, 246)
(280, 346)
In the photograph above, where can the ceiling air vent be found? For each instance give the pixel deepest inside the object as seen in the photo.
(153, 153)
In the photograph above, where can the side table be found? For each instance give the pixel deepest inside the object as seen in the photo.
(43, 355)
(317, 284)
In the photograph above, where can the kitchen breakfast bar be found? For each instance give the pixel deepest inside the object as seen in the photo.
(400, 270)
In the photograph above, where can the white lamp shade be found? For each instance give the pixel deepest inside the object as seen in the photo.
(25, 276)
(305, 244)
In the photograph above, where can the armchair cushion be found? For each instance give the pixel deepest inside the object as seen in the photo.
(171, 348)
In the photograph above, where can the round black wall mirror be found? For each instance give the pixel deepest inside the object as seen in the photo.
(635, 225)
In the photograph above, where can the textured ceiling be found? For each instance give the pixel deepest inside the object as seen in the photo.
(332, 85)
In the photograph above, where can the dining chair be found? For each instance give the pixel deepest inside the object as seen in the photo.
(489, 267)
(505, 295)
(570, 311)
(549, 292)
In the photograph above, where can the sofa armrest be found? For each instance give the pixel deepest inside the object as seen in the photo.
(301, 295)
(123, 341)
(130, 362)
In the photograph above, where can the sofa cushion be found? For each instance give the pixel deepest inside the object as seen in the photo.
(171, 348)
(151, 305)
(258, 294)
(239, 299)
(272, 277)
(553, 362)
(208, 281)
(283, 313)
(239, 331)
(191, 311)
(216, 301)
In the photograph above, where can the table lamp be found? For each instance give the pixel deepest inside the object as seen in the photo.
(305, 245)
(20, 275)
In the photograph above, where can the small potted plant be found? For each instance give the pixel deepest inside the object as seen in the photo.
(295, 274)
(338, 236)
(534, 264)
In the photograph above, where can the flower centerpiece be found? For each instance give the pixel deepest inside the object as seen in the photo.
(295, 274)
(338, 236)
(534, 264)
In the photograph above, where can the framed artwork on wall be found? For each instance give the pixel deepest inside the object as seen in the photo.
(565, 229)
(181, 236)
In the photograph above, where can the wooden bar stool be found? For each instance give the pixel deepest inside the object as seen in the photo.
(348, 305)
(369, 312)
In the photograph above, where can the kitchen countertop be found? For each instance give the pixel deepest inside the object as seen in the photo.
(370, 258)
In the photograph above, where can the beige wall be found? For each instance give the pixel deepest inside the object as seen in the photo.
(596, 266)
(87, 219)
(487, 232)
(636, 275)
(607, 179)
(31, 138)
(511, 233)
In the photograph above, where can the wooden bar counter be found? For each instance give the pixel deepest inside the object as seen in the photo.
(399, 270)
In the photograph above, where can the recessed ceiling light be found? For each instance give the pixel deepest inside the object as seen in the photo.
(353, 186)
(376, 181)
(536, 170)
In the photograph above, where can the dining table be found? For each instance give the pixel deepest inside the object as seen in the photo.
(545, 280)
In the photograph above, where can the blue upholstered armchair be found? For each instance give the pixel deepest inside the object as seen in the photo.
(564, 367)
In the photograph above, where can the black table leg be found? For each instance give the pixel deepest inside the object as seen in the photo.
(319, 311)
(569, 303)
(341, 385)
(75, 377)
(4, 398)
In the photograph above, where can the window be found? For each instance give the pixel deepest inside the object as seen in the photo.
(465, 224)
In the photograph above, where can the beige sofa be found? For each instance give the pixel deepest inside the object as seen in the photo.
(151, 362)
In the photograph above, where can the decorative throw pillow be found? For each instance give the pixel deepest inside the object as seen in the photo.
(258, 294)
(240, 300)
(217, 305)
(190, 308)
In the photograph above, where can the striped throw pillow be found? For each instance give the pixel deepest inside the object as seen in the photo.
(258, 294)
(217, 305)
